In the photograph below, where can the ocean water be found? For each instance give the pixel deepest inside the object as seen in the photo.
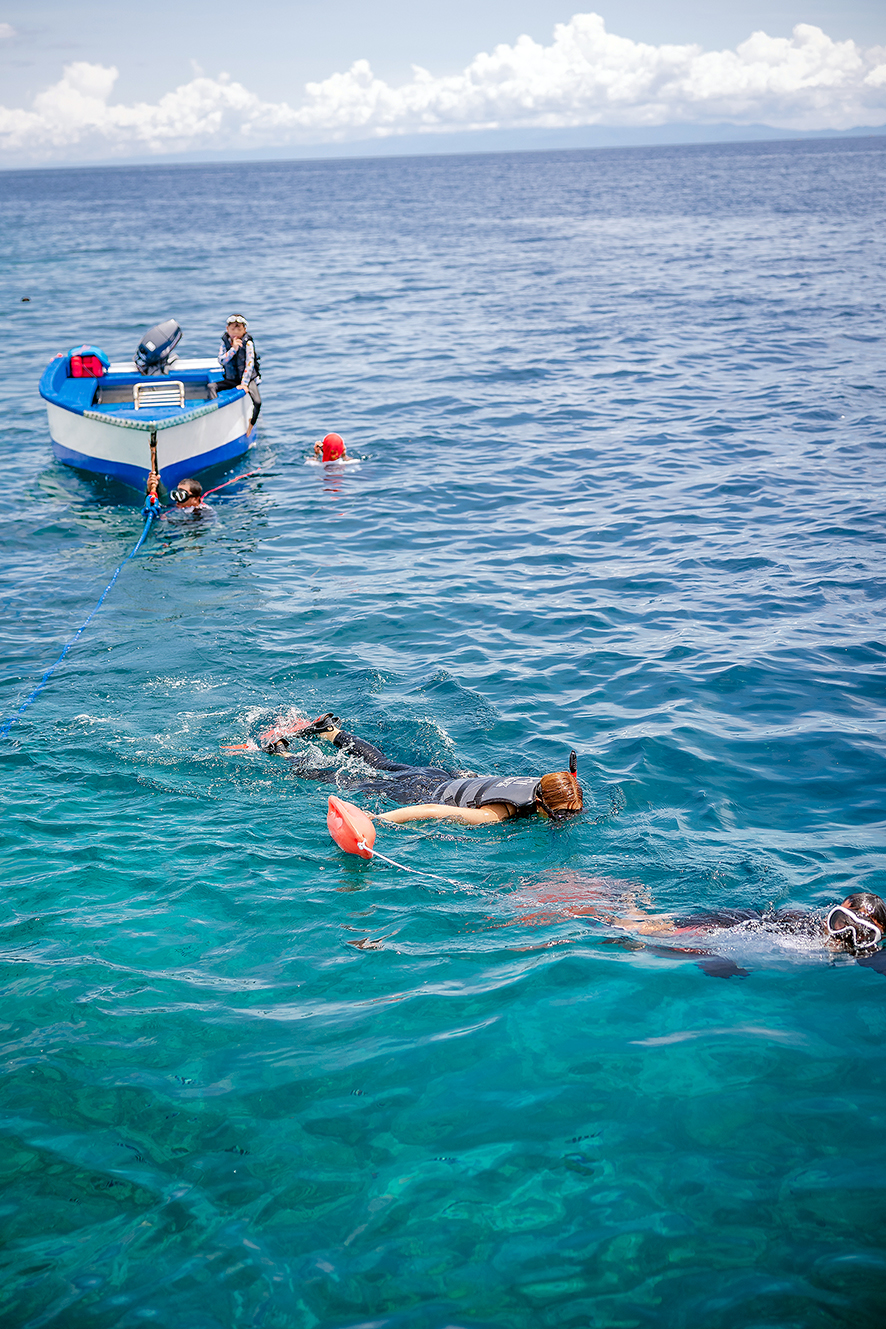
(619, 426)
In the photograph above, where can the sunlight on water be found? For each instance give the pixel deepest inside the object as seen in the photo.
(616, 424)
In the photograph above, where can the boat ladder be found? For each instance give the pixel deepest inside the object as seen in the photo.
(169, 393)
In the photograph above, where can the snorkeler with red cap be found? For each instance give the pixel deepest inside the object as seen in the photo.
(331, 448)
(478, 800)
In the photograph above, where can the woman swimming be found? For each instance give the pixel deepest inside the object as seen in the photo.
(477, 800)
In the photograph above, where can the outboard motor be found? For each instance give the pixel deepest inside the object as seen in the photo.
(156, 351)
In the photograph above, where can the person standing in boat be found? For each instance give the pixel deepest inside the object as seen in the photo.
(238, 359)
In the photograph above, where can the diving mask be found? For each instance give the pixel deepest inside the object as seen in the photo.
(847, 925)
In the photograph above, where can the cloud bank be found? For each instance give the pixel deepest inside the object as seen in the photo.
(586, 76)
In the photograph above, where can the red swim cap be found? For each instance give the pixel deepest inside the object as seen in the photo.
(333, 447)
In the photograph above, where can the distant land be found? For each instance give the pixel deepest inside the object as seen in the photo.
(481, 141)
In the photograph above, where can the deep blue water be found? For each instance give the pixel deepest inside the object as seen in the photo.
(622, 425)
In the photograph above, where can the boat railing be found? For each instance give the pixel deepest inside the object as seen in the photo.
(168, 393)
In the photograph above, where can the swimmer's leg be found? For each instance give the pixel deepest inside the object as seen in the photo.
(410, 784)
(352, 746)
(326, 774)
(256, 402)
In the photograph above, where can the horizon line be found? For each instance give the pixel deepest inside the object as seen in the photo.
(765, 134)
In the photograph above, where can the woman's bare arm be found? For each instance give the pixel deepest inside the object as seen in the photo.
(647, 925)
(440, 811)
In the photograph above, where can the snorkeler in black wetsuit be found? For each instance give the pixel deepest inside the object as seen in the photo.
(857, 926)
(435, 793)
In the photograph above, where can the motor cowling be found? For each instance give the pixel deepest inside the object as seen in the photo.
(156, 351)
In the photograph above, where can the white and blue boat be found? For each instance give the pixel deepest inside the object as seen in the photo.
(116, 419)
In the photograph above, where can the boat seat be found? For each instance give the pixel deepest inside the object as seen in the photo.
(168, 393)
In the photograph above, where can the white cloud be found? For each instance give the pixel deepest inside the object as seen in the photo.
(6, 31)
(586, 76)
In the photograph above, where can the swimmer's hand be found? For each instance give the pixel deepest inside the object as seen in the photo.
(718, 966)
(715, 966)
(875, 960)
(279, 747)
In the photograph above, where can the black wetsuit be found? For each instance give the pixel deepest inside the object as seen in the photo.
(428, 784)
(775, 920)
(795, 921)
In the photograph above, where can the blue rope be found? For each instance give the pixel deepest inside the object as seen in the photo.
(150, 511)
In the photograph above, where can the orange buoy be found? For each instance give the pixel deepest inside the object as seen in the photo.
(350, 828)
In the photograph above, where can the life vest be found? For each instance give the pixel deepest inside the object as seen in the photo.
(236, 365)
(87, 362)
(481, 790)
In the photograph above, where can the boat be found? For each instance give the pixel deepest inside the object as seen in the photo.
(154, 412)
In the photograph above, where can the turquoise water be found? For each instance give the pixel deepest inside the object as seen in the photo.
(620, 422)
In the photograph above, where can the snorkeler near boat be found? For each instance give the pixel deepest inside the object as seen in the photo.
(477, 800)
(188, 495)
(331, 448)
(187, 498)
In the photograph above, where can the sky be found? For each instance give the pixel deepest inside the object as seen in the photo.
(83, 83)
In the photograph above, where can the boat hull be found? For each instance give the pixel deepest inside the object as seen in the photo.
(125, 454)
(104, 426)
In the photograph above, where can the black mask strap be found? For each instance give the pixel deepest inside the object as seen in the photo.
(560, 815)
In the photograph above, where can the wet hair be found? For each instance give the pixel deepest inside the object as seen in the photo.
(192, 487)
(868, 905)
(559, 793)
